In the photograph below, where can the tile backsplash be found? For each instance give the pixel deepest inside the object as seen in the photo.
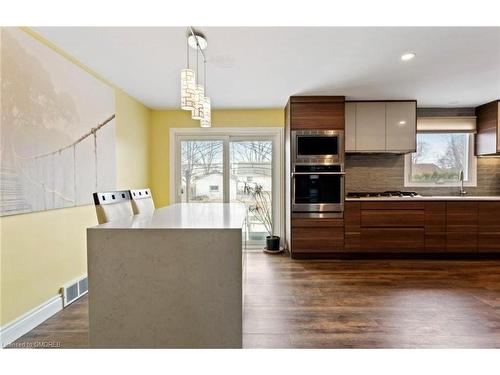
(380, 172)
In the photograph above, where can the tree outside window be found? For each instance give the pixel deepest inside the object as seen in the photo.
(440, 157)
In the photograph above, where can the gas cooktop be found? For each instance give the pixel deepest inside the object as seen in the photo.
(384, 194)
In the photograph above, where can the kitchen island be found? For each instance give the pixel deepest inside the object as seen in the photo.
(170, 279)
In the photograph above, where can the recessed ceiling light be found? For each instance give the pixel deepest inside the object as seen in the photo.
(408, 56)
(403, 122)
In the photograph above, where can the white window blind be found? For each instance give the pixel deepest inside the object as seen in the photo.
(446, 124)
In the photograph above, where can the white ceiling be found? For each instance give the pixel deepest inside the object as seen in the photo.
(260, 67)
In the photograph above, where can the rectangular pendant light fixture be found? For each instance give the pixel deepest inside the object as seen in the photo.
(192, 92)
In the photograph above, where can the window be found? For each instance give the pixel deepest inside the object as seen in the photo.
(440, 158)
(219, 165)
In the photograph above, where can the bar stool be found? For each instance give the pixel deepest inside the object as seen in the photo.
(112, 205)
(142, 201)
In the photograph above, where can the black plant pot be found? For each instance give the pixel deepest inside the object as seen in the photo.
(272, 243)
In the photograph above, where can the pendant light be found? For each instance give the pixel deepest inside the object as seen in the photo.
(197, 113)
(206, 121)
(188, 87)
(193, 93)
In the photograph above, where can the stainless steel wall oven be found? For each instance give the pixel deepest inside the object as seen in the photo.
(318, 173)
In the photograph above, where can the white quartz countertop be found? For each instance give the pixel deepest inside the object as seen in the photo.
(427, 198)
(186, 216)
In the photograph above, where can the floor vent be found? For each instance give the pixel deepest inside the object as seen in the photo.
(75, 289)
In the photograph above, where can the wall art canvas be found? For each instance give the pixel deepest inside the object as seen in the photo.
(57, 129)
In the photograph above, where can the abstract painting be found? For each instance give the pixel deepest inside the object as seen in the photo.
(57, 129)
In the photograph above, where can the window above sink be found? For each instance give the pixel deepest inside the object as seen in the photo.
(439, 159)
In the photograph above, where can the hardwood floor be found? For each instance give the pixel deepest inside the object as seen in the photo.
(346, 304)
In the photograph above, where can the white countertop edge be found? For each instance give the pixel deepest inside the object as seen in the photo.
(206, 216)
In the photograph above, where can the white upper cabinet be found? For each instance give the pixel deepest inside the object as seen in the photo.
(350, 126)
(370, 126)
(400, 126)
(380, 126)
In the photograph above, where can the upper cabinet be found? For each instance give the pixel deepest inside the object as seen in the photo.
(488, 128)
(400, 126)
(370, 126)
(317, 112)
(381, 126)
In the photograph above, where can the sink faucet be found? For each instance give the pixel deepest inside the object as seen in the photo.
(462, 191)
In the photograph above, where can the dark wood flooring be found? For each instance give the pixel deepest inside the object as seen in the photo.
(345, 304)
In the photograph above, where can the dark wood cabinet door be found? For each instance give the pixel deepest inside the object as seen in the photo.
(488, 132)
(435, 227)
(317, 235)
(461, 227)
(317, 113)
(488, 240)
(392, 240)
(352, 220)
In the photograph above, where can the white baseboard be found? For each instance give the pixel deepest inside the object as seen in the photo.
(25, 323)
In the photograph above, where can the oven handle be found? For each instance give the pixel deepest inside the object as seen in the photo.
(320, 173)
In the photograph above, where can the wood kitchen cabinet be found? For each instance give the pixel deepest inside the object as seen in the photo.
(404, 227)
(488, 227)
(381, 126)
(392, 227)
(488, 129)
(435, 227)
(384, 227)
(317, 236)
(317, 112)
(352, 222)
(461, 227)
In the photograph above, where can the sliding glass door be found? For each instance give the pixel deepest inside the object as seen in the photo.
(230, 168)
(250, 172)
(201, 171)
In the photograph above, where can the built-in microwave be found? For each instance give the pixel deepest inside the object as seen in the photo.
(317, 147)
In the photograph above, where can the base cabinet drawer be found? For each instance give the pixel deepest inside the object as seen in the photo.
(317, 240)
(392, 218)
(317, 235)
(394, 240)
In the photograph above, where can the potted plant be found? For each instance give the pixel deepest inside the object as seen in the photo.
(262, 210)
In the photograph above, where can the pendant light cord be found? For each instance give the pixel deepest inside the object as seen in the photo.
(187, 52)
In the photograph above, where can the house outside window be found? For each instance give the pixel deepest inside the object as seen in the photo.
(445, 147)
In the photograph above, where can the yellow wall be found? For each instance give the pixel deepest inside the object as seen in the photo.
(42, 251)
(163, 120)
